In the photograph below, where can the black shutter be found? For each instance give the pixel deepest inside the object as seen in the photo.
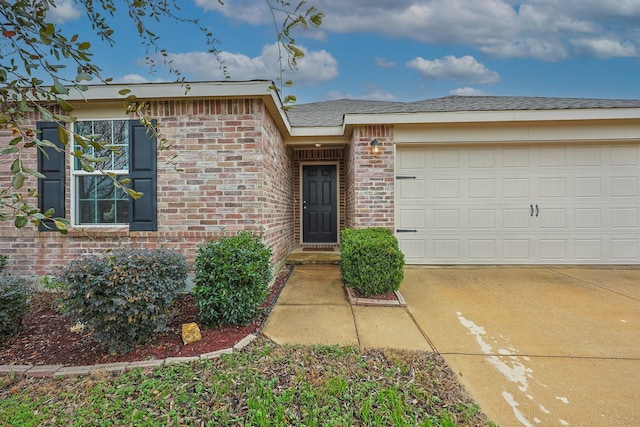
(51, 190)
(142, 172)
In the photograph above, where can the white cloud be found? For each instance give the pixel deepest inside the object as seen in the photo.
(63, 11)
(464, 69)
(467, 91)
(604, 48)
(541, 29)
(548, 30)
(316, 66)
(371, 93)
(135, 79)
(384, 63)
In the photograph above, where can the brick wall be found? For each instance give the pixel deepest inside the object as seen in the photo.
(236, 175)
(370, 179)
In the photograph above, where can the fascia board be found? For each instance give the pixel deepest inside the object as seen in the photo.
(173, 90)
(492, 116)
(317, 131)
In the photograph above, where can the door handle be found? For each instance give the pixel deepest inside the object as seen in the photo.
(537, 211)
(304, 204)
(531, 206)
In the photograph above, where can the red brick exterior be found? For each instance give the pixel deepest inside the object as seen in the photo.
(370, 179)
(237, 175)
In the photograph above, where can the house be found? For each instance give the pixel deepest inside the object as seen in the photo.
(461, 180)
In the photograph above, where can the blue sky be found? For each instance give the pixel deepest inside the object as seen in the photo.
(400, 50)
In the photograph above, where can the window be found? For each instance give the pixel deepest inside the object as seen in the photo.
(96, 200)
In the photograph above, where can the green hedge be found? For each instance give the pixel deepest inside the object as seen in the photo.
(371, 261)
(14, 304)
(124, 297)
(3, 262)
(232, 276)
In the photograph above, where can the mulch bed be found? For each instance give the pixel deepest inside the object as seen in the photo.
(46, 338)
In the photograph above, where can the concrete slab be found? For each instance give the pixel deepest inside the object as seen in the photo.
(307, 325)
(532, 391)
(536, 346)
(388, 327)
(314, 285)
(538, 311)
(625, 281)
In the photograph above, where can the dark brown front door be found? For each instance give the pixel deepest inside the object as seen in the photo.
(319, 204)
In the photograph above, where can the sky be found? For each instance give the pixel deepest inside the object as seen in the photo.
(396, 50)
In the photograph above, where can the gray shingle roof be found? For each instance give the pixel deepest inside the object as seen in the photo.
(331, 113)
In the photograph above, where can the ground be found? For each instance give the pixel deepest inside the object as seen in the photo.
(47, 338)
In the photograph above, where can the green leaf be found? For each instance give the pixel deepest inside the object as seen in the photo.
(84, 45)
(63, 135)
(33, 173)
(16, 166)
(21, 221)
(46, 115)
(61, 226)
(18, 181)
(80, 140)
(10, 150)
(59, 88)
(66, 106)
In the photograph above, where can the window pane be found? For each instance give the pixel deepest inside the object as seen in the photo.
(99, 202)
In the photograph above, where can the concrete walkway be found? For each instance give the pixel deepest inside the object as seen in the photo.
(533, 346)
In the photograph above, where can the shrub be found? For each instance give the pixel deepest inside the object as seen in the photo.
(14, 304)
(3, 262)
(124, 297)
(371, 261)
(231, 279)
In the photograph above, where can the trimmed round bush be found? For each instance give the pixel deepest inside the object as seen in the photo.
(124, 297)
(232, 276)
(14, 304)
(371, 261)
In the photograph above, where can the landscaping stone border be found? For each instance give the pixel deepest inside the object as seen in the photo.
(372, 302)
(51, 371)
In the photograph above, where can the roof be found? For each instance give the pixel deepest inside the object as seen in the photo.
(331, 113)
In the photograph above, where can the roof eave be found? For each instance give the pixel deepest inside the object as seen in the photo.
(492, 116)
(255, 89)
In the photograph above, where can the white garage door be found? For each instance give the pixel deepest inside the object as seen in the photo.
(519, 205)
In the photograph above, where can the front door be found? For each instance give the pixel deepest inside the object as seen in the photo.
(319, 204)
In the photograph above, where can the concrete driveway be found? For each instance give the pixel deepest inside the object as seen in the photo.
(532, 345)
(537, 346)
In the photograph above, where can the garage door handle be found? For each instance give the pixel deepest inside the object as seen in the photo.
(537, 211)
(404, 230)
(531, 209)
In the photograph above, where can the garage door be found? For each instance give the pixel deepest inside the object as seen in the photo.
(519, 205)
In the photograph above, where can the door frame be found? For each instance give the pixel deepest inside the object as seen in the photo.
(301, 192)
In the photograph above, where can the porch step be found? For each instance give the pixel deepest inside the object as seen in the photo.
(298, 256)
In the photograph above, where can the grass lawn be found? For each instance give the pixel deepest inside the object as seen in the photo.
(265, 384)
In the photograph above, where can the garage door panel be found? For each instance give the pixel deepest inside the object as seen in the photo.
(414, 250)
(516, 188)
(551, 218)
(413, 219)
(482, 249)
(625, 186)
(625, 249)
(625, 218)
(519, 205)
(587, 187)
(482, 188)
